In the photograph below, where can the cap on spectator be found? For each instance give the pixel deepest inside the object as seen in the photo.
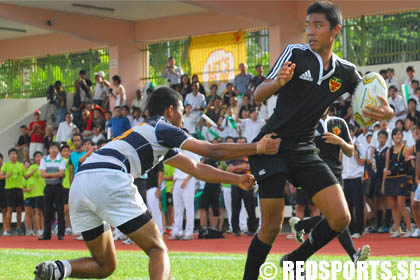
(100, 74)
(37, 112)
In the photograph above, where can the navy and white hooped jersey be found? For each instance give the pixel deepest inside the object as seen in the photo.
(307, 95)
(140, 148)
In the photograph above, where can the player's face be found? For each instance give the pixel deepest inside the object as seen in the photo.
(319, 33)
(176, 116)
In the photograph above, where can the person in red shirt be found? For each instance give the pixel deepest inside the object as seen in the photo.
(36, 132)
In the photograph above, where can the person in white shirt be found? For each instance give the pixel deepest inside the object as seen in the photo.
(262, 111)
(374, 144)
(353, 170)
(190, 120)
(397, 101)
(252, 126)
(411, 75)
(391, 80)
(126, 113)
(210, 132)
(413, 87)
(101, 88)
(137, 102)
(408, 136)
(172, 73)
(196, 100)
(119, 95)
(271, 104)
(137, 118)
(65, 129)
(183, 199)
(97, 135)
(229, 126)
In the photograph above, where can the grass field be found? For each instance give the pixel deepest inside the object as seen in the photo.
(19, 264)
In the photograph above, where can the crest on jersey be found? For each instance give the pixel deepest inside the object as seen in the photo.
(335, 84)
(336, 130)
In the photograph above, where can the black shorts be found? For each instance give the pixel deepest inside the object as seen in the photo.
(304, 169)
(14, 197)
(169, 199)
(3, 201)
(66, 195)
(303, 198)
(34, 202)
(211, 196)
(397, 186)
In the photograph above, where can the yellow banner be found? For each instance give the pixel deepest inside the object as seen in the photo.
(215, 58)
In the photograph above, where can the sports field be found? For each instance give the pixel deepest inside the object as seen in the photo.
(198, 259)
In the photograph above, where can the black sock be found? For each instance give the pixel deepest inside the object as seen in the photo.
(60, 266)
(347, 242)
(318, 238)
(307, 224)
(388, 217)
(257, 253)
(379, 215)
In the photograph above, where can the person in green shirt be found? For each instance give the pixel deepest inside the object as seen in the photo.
(3, 204)
(27, 202)
(65, 153)
(33, 195)
(168, 178)
(14, 173)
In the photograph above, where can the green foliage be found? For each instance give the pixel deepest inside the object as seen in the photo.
(44, 71)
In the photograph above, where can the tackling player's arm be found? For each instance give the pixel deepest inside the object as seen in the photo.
(267, 145)
(209, 173)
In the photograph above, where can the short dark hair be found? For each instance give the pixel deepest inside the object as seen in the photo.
(417, 89)
(331, 12)
(82, 72)
(87, 140)
(390, 69)
(57, 84)
(229, 137)
(38, 152)
(393, 87)
(214, 85)
(101, 142)
(412, 100)
(239, 138)
(410, 68)
(169, 58)
(382, 71)
(1, 155)
(126, 107)
(161, 99)
(395, 131)
(117, 79)
(77, 135)
(258, 65)
(54, 144)
(11, 151)
(415, 81)
(383, 132)
(108, 112)
(65, 146)
(23, 126)
(116, 107)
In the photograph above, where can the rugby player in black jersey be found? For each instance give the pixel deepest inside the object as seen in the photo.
(307, 78)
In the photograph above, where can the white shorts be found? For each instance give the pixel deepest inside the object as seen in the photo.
(103, 195)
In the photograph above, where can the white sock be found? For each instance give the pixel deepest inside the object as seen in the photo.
(67, 268)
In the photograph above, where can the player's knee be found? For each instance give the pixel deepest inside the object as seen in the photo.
(271, 231)
(340, 222)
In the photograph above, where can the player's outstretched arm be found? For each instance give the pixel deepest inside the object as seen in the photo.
(267, 145)
(271, 86)
(210, 174)
(384, 112)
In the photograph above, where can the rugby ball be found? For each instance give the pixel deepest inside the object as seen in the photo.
(366, 93)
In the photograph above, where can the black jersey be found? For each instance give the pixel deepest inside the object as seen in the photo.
(330, 153)
(306, 96)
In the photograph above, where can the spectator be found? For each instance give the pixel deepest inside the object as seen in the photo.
(14, 173)
(210, 133)
(125, 110)
(137, 118)
(185, 86)
(216, 112)
(251, 127)
(246, 104)
(242, 81)
(417, 98)
(353, 171)
(241, 166)
(36, 132)
(98, 119)
(168, 178)
(97, 135)
(120, 97)
(262, 110)
(85, 83)
(409, 132)
(75, 155)
(395, 185)
(65, 129)
(190, 120)
(172, 73)
(228, 94)
(412, 89)
(257, 80)
(60, 101)
(52, 169)
(154, 181)
(391, 80)
(194, 79)
(65, 153)
(34, 192)
(3, 203)
(397, 101)
(101, 88)
(70, 140)
(383, 73)
(412, 110)
(118, 123)
(23, 142)
(108, 117)
(51, 111)
(234, 105)
(213, 95)
(79, 101)
(137, 102)
(229, 126)
(84, 120)
(411, 75)
(196, 100)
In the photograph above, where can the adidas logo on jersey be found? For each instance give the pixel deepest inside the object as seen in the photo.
(306, 76)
